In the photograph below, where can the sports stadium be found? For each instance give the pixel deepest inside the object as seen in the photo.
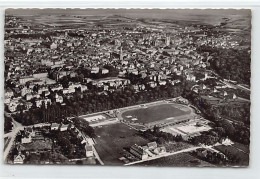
(161, 114)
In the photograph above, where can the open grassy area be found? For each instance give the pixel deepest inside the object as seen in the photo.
(112, 139)
(155, 113)
(176, 146)
(178, 160)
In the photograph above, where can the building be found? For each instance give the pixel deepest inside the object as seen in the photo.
(13, 105)
(139, 152)
(89, 151)
(159, 150)
(64, 127)
(104, 71)
(53, 46)
(8, 93)
(19, 159)
(25, 79)
(40, 75)
(152, 145)
(55, 126)
(168, 40)
(26, 139)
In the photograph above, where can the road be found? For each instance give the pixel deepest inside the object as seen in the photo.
(12, 135)
(93, 147)
(230, 84)
(175, 153)
(97, 156)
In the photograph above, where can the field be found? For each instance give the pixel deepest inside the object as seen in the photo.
(178, 160)
(112, 139)
(155, 113)
(237, 150)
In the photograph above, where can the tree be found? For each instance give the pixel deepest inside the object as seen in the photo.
(7, 124)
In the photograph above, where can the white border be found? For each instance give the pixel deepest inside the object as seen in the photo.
(33, 171)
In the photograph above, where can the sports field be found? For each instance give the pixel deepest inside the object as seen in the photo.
(150, 114)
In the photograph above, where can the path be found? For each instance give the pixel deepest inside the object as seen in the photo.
(12, 135)
(10, 144)
(97, 156)
(165, 155)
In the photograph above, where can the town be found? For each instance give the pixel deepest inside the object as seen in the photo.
(119, 90)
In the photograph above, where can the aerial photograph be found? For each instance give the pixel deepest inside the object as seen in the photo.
(127, 87)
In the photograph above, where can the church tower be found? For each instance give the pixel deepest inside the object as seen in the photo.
(121, 53)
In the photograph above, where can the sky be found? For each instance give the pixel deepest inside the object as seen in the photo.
(138, 13)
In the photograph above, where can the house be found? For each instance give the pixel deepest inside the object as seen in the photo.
(7, 100)
(53, 46)
(55, 126)
(19, 159)
(64, 127)
(104, 71)
(30, 131)
(152, 84)
(162, 83)
(13, 105)
(95, 70)
(9, 93)
(40, 75)
(152, 145)
(46, 101)
(26, 139)
(89, 151)
(139, 152)
(159, 150)
(59, 99)
(25, 79)
(25, 91)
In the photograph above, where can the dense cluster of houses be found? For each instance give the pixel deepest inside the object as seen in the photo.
(33, 134)
(37, 65)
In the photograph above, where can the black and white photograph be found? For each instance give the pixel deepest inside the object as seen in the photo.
(127, 87)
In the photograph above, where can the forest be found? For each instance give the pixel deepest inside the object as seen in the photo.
(91, 101)
(230, 64)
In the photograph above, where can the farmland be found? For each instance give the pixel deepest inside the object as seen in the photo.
(112, 139)
(182, 159)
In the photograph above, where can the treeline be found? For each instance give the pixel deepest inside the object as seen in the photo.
(112, 72)
(92, 101)
(235, 127)
(160, 136)
(8, 124)
(230, 64)
(227, 159)
(83, 126)
(237, 111)
(211, 157)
